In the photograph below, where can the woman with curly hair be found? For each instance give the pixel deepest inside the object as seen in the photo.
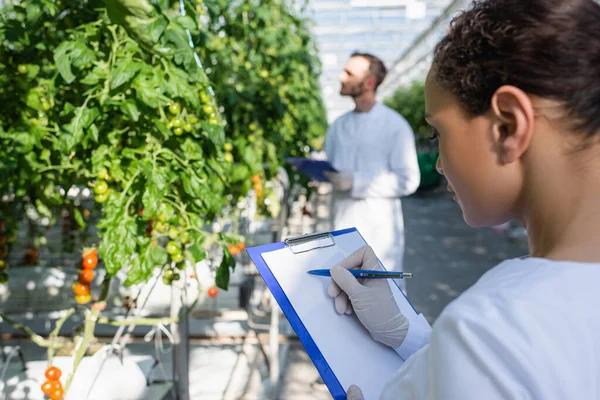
(514, 97)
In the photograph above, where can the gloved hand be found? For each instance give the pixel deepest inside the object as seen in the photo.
(341, 181)
(354, 393)
(372, 299)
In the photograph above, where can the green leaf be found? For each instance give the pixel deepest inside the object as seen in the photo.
(129, 108)
(191, 149)
(222, 275)
(240, 173)
(192, 186)
(63, 62)
(33, 100)
(158, 255)
(197, 253)
(43, 209)
(79, 218)
(187, 23)
(156, 186)
(125, 71)
(96, 75)
(147, 85)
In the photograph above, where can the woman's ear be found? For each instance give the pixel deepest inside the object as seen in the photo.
(513, 124)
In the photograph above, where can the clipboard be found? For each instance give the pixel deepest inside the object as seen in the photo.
(307, 307)
(312, 168)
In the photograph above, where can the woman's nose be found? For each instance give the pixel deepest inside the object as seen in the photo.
(438, 166)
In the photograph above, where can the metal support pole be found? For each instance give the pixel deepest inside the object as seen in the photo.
(180, 332)
(274, 351)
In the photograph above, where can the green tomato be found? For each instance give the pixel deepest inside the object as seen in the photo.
(170, 124)
(3, 265)
(227, 147)
(187, 127)
(101, 187)
(180, 266)
(213, 121)
(177, 257)
(174, 108)
(184, 237)
(173, 248)
(264, 74)
(168, 273)
(22, 68)
(182, 222)
(251, 138)
(228, 157)
(102, 175)
(101, 197)
(45, 106)
(192, 119)
(176, 277)
(3, 278)
(208, 109)
(177, 123)
(166, 281)
(161, 227)
(252, 126)
(173, 233)
(178, 131)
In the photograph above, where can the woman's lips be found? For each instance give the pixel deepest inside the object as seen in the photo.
(453, 194)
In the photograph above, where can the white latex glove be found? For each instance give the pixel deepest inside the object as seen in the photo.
(341, 181)
(354, 393)
(371, 299)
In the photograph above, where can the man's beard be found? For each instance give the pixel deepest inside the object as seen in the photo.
(353, 91)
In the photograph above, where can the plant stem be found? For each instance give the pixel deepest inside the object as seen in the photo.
(91, 318)
(37, 339)
(139, 321)
(55, 332)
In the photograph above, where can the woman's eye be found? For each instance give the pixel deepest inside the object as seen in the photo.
(434, 137)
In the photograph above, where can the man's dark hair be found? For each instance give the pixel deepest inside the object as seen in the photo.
(376, 66)
(547, 48)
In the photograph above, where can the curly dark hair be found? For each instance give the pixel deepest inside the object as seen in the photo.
(547, 48)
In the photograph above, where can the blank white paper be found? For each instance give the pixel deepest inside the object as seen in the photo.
(353, 356)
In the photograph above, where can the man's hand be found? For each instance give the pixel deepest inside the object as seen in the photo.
(341, 181)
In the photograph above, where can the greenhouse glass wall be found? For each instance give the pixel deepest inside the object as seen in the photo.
(385, 28)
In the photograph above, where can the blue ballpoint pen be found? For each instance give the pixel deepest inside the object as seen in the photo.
(366, 274)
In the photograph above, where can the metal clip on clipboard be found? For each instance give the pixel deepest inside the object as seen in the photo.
(310, 241)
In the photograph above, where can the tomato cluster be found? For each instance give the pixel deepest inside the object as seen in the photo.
(101, 188)
(82, 287)
(52, 387)
(236, 249)
(258, 187)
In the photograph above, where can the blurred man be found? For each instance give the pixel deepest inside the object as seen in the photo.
(373, 148)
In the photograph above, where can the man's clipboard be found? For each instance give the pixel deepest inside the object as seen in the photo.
(314, 169)
(338, 345)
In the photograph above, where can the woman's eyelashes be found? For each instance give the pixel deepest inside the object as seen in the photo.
(434, 136)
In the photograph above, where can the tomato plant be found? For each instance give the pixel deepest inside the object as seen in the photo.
(265, 70)
(94, 90)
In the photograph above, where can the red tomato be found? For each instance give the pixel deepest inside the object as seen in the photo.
(53, 373)
(213, 291)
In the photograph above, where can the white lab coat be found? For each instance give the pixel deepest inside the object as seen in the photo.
(378, 148)
(528, 329)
